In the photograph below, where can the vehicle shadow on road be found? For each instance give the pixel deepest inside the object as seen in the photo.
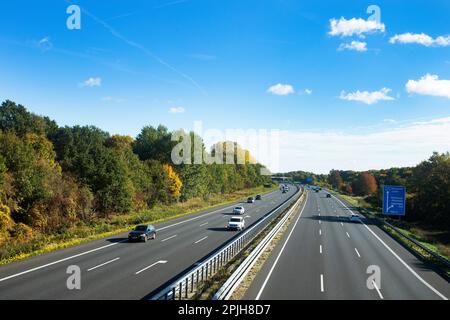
(218, 229)
(117, 240)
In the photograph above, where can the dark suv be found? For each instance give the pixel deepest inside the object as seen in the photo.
(142, 233)
(258, 197)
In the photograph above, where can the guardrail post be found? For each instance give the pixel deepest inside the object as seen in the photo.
(187, 288)
(174, 291)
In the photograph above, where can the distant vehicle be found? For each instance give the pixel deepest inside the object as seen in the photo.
(317, 190)
(284, 191)
(236, 223)
(142, 233)
(251, 200)
(328, 195)
(258, 197)
(355, 218)
(239, 210)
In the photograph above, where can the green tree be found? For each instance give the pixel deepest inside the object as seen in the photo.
(154, 144)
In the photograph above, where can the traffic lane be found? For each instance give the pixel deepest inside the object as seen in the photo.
(101, 244)
(399, 282)
(317, 263)
(108, 288)
(49, 257)
(282, 283)
(31, 285)
(344, 273)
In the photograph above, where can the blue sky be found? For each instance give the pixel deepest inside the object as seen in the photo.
(136, 63)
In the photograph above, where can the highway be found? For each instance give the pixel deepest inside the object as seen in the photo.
(113, 268)
(323, 255)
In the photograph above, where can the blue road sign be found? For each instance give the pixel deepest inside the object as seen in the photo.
(394, 200)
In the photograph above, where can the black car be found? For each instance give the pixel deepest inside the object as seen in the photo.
(328, 195)
(258, 197)
(251, 200)
(142, 233)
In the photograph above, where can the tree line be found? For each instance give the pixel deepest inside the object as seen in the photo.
(427, 185)
(52, 177)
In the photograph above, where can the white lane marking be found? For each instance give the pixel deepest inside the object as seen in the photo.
(248, 216)
(150, 266)
(378, 290)
(174, 236)
(281, 251)
(320, 231)
(348, 236)
(104, 247)
(198, 241)
(322, 287)
(59, 261)
(320, 221)
(342, 224)
(398, 258)
(320, 249)
(204, 224)
(103, 264)
(357, 252)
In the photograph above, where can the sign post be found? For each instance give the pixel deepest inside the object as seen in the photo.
(394, 200)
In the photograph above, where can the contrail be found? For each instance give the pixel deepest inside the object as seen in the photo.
(138, 46)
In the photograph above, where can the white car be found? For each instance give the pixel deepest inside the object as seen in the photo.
(236, 223)
(239, 210)
(355, 218)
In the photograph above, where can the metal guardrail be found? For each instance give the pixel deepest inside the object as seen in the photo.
(225, 292)
(186, 285)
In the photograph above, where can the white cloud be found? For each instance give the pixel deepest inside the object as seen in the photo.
(422, 38)
(367, 97)
(308, 91)
(112, 99)
(390, 121)
(354, 45)
(429, 85)
(400, 146)
(45, 44)
(92, 82)
(354, 26)
(281, 89)
(175, 110)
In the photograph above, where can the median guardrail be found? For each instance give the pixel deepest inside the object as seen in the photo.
(187, 285)
(225, 292)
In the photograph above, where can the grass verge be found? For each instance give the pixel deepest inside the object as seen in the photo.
(102, 228)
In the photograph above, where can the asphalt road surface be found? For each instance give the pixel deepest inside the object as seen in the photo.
(113, 268)
(323, 255)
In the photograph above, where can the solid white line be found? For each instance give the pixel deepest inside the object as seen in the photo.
(202, 225)
(169, 238)
(321, 284)
(320, 249)
(103, 264)
(146, 268)
(378, 290)
(59, 261)
(359, 256)
(198, 241)
(398, 258)
(281, 251)
(348, 236)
